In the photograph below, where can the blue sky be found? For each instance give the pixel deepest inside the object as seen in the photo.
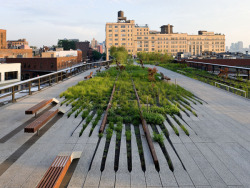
(43, 22)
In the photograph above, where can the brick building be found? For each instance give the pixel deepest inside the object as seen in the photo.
(3, 43)
(86, 50)
(32, 67)
(17, 44)
(137, 38)
(16, 53)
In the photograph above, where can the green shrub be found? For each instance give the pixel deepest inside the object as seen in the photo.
(158, 138)
(175, 130)
(153, 118)
(128, 135)
(109, 132)
(100, 135)
(185, 130)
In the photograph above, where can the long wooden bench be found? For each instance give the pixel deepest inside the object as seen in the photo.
(39, 122)
(89, 76)
(56, 172)
(37, 107)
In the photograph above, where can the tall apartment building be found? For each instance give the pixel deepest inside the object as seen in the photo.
(94, 43)
(140, 38)
(3, 43)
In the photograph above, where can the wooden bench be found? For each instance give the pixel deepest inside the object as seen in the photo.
(39, 122)
(89, 76)
(56, 172)
(37, 107)
(163, 77)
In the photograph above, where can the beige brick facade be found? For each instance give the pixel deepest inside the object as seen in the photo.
(139, 38)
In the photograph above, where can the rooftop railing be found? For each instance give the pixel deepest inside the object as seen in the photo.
(36, 84)
(216, 67)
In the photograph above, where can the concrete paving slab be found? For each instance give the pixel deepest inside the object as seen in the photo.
(137, 175)
(122, 175)
(151, 174)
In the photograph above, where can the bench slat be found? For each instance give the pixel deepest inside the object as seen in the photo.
(39, 122)
(38, 106)
(56, 172)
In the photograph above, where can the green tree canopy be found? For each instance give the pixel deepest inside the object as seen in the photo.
(96, 55)
(67, 44)
(119, 53)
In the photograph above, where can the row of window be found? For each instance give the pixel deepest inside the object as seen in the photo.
(123, 30)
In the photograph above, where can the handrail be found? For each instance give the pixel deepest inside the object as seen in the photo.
(231, 87)
(46, 75)
(219, 65)
(49, 78)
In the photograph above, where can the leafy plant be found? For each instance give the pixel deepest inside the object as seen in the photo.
(158, 138)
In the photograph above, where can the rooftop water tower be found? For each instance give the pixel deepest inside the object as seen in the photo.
(121, 16)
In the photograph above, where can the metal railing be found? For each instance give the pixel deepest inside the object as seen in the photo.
(212, 67)
(47, 80)
(230, 87)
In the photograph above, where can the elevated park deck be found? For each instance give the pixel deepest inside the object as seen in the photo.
(216, 154)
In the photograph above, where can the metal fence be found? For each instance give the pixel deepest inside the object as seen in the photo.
(47, 80)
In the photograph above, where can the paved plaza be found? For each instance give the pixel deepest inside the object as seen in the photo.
(216, 154)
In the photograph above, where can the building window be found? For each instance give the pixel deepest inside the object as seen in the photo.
(138, 37)
(116, 35)
(110, 35)
(116, 30)
(123, 38)
(116, 26)
(145, 37)
(10, 75)
(110, 30)
(123, 30)
(110, 26)
(123, 26)
(116, 43)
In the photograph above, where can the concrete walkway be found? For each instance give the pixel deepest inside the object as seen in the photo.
(215, 154)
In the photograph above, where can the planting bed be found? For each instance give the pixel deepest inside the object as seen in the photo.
(134, 96)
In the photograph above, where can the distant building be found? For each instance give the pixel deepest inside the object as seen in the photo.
(25, 51)
(32, 67)
(18, 44)
(9, 73)
(16, 53)
(94, 43)
(86, 51)
(141, 39)
(3, 43)
(100, 49)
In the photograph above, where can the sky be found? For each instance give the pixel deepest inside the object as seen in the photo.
(43, 22)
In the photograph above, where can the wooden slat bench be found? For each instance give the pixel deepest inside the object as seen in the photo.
(89, 76)
(39, 122)
(56, 172)
(37, 107)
